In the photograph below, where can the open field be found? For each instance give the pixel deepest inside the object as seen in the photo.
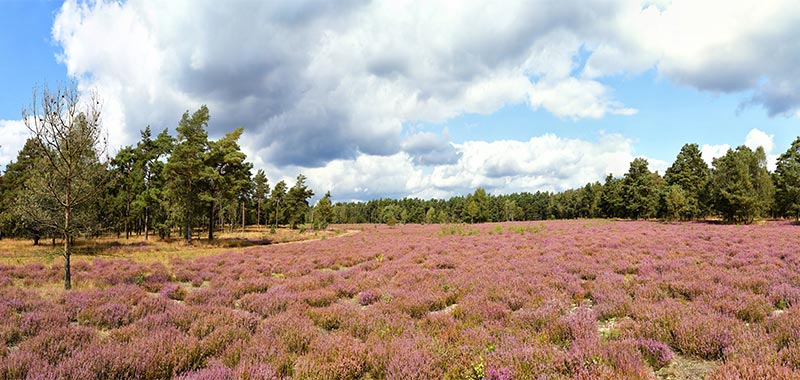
(584, 299)
(17, 252)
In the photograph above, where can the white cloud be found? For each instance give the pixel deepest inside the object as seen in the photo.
(314, 82)
(756, 138)
(331, 85)
(753, 140)
(543, 163)
(14, 133)
(710, 152)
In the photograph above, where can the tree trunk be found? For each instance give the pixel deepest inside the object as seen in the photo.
(258, 213)
(211, 222)
(146, 220)
(277, 206)
(67, 274)
(242, 216)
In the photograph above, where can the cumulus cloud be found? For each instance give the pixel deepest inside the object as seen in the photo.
(754, 139)
(710, 152)
(332, 85)
(428, 148)
(718, 46)
(546, 163)
(313, 82)
(14, 133)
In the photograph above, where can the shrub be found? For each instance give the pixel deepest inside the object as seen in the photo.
(368, 297)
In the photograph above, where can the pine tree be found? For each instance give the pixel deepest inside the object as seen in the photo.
(184, 168)
(692, 174)
(67, 175)
(787, 181)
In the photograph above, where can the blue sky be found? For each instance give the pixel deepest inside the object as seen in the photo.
(373, 99)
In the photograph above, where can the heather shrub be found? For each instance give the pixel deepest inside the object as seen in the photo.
(35, 321)
(790, 356)
(785, 328)
(253, 285)
(333, 357)
(274, 301)
(59, 343)
(295, 330)
(784, 296)
(705, 336)
(320, 297)
(17, 365)
(210, 373)
(211, 297)
(368, 297)
(655, 353)
(752, 370)
(412, 361)
(173, 292)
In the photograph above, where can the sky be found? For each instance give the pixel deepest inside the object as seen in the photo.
(427, 98)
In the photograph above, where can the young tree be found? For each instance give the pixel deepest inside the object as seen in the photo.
(612, 203)
(787, 181)
(742, 189)
(150, 153)
(184, 168)
(261, 187)
(15, 215)
(641, 190)
(225, 175)
(692, 174)
(127, 171)
(323, 212)
(278, 195)
(297, 201)
(68, 174)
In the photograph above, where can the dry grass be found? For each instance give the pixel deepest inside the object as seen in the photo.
(136, 248)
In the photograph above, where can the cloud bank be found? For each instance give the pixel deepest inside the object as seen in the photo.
(331, 87)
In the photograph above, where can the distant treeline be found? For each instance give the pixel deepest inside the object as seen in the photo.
(737, 188)
(188, 184)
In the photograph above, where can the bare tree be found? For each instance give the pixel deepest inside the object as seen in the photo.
(69, 174)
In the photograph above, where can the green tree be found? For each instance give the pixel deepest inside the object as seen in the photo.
(787, 181)
(14, 215)
(126, 169)
(323, 212)
(261, 188)
(152, 198)
(741, 186)
(692, 174)
(641, 190)
(297, 201)
(67, 175)
(185, 166)
(612, 203)
(225, 176)
(676, 204)
(277, 198)
(473, 210)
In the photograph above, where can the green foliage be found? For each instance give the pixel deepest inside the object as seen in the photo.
(742, 189)
(323, 212)
(787, 181)
(641, 189)
(297, 201)
(261, 188)
(184, 168)
(692, 175)
(277, 200)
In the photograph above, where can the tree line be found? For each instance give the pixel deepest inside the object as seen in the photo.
(737, 188)
(63, 185)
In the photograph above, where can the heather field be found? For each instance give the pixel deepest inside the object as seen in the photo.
(583, 299)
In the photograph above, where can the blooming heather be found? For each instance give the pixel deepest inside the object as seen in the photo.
(581, 299)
